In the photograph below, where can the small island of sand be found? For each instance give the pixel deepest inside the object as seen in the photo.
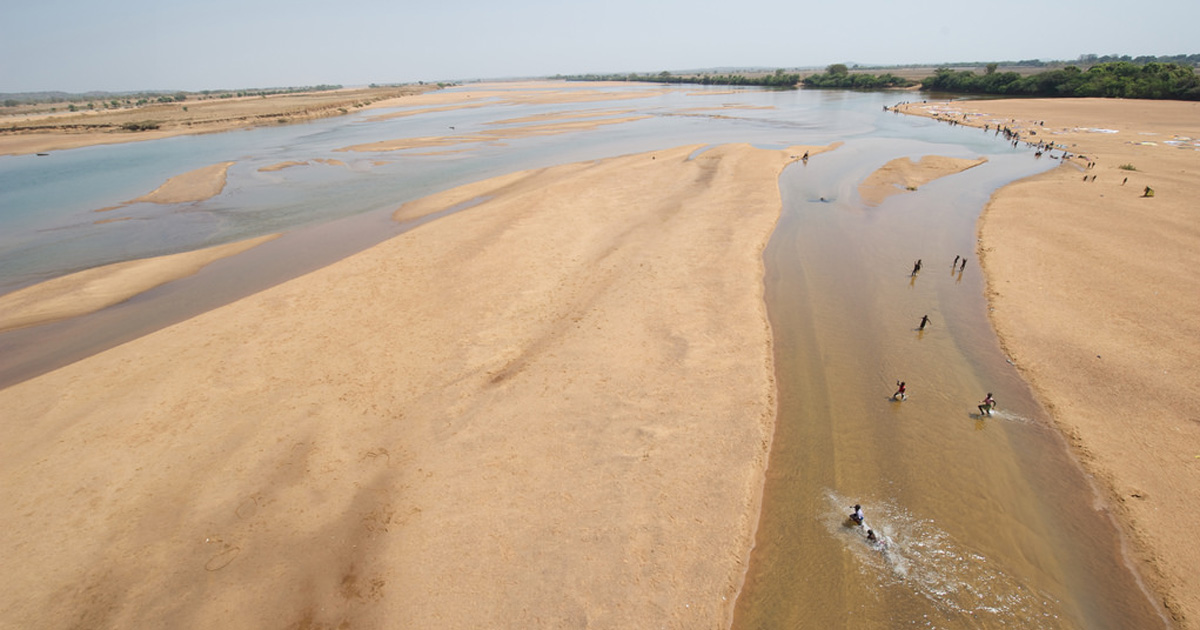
(198, 185)
(903, 174)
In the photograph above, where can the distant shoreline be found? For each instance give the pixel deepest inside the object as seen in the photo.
(26, 134)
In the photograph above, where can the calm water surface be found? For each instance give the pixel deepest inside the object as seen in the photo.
(989, 521)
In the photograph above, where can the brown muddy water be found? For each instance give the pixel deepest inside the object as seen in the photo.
(989, 522)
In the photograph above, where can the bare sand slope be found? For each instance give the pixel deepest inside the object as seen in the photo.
(1097, 300)
(551, 409)
(903, 174)
(93, 289)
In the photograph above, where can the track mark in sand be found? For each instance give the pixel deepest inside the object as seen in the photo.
(222, 559)
(248, 508)
(375, 454)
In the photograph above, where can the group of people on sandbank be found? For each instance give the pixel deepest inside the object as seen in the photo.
(1014, 136)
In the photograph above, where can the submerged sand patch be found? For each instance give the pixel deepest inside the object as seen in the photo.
(904, 174)
(93, 289)
(553, 406)
(490, 135)
(292, 163)
(425, 110)
(567, 115)
(279, 166)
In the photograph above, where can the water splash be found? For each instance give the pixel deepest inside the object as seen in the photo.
(914, 554)
(1005, 416)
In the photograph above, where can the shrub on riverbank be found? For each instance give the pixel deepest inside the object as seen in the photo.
(1112, 80)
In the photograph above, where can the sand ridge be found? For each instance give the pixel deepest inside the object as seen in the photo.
(93, 289)
(905, 174)
(279, 166)
(553, 408)
(1093, 292)
(196, 185)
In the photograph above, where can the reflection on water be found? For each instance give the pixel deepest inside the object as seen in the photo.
(989, 522)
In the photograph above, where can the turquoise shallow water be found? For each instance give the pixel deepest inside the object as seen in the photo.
(842, 308)
(48, 203)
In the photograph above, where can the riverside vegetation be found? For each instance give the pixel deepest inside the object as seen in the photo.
(1112, 79)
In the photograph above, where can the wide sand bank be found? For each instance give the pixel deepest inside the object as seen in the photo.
(552, 408)
(1094, 295)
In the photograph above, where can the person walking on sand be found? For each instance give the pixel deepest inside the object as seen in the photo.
(900, 392)
(988, 404)
(924, 320)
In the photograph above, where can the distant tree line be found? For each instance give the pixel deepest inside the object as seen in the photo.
(108, 100)
(1182, 60)
(838, 76)
(779, 78)
(268, 91)
(1121, 79)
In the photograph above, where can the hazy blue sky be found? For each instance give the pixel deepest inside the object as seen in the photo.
(165, 44)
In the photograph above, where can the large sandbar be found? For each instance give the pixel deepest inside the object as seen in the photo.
(552, 408)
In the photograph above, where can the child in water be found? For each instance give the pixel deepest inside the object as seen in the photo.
(988, 404)
(877, 541)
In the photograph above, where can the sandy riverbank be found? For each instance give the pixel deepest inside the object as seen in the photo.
(71, 130)
(1094, 293)
(454, 428)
